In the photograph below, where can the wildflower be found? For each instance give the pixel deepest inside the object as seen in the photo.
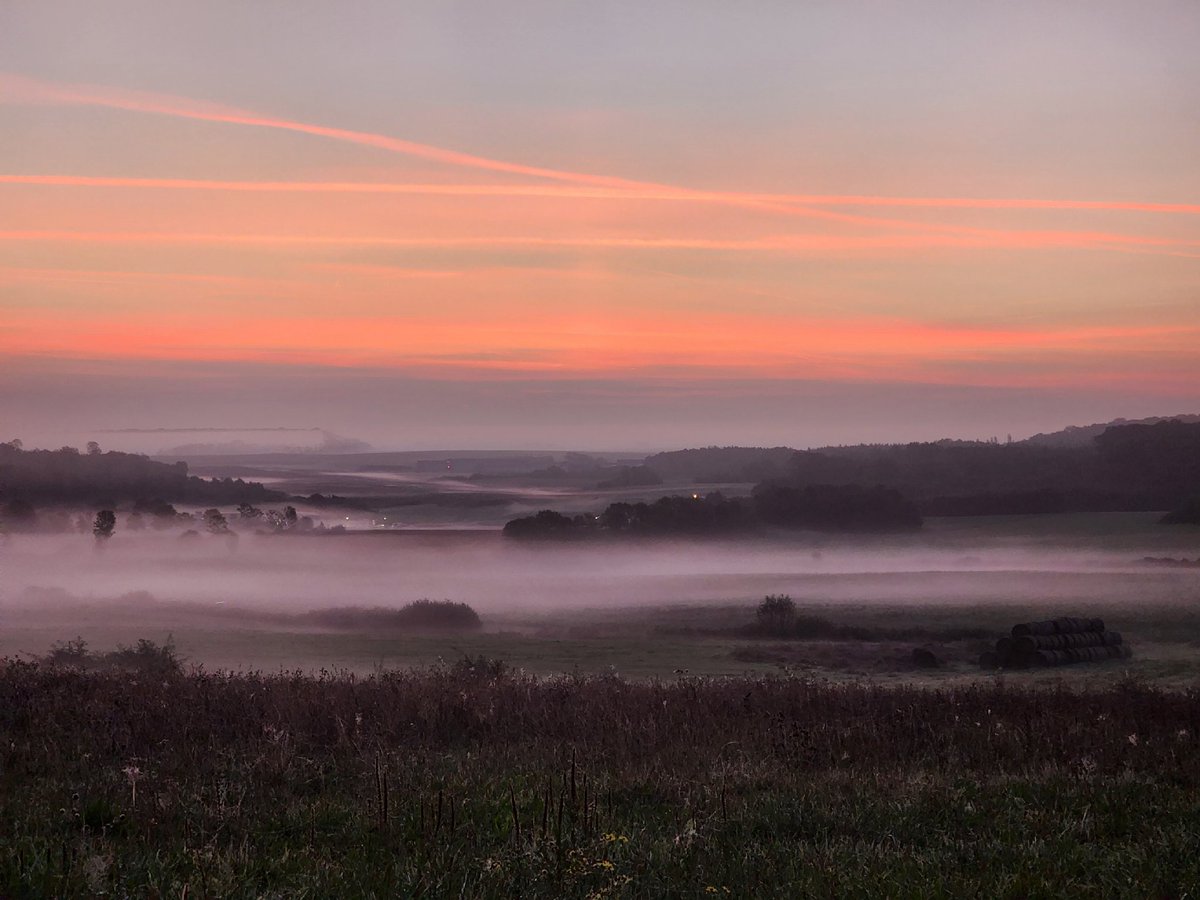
(133, 773)
(1133, 739)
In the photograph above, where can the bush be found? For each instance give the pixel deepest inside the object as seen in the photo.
(776, 614)
(429, 615)
(68, 653)
(481, 668)
(146, 657)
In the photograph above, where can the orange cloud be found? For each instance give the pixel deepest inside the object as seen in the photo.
(574, 192)
(786, 243)
(992, 203)
(604, 343)
(21, 88)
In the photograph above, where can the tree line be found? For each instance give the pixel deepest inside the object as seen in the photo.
(772, 505)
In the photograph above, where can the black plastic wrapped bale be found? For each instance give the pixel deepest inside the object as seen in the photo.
(1075, 625)
(1045, 658)
(1030, 642)
(1064, 625)
(1058, 642)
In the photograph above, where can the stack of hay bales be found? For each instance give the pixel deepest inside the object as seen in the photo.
(1056, 642)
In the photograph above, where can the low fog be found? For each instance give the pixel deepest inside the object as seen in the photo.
(948, 562)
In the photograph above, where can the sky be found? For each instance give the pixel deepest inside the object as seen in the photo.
(611, 226)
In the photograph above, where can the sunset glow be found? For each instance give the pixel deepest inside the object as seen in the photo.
(537, 231)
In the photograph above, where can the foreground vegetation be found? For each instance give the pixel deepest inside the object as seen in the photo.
(473, 780)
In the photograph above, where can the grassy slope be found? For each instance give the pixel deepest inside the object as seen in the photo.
(590, 786)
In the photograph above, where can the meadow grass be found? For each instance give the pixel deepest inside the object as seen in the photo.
(474, 781)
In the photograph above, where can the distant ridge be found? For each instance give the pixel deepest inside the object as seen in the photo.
(330, 444)
(1083, 435)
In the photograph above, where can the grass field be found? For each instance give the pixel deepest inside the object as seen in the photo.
(640, 740)
(456, 782)
(638, 642)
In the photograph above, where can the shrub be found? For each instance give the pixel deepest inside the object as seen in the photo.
(480, 668)
(147, 657)
(69, 653)
(430, 615)
(776, 614)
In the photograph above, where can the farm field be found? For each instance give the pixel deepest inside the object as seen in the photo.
(639, 642)
(471, 781)
(616, 726)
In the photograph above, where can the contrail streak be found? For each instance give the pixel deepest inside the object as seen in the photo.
(35, 90)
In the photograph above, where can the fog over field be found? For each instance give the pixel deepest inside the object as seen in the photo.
(1095, 558)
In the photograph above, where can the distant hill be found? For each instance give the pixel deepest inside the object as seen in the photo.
(1083, 435)
(330, 444)
(722, 465)
(67, 476)
(1126, 467)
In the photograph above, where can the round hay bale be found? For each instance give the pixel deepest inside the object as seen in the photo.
(1004, 646)
(1062, 625)
(1034, 628)
(1097, 625)
(1111, 638)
